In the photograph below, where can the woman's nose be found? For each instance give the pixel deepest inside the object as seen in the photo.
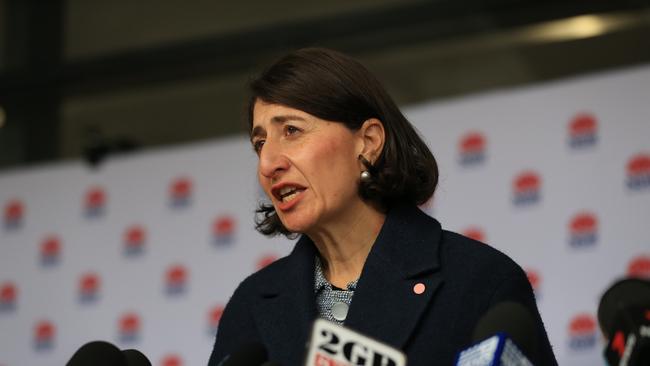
(272, 160)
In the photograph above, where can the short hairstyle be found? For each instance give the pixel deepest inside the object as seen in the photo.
(335, 87)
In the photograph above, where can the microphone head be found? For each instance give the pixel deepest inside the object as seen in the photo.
(251, 354)
(625, 293)
(513, 319)
(135, 358)
(98, 353)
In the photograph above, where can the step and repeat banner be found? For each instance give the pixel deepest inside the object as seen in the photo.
(145, 250)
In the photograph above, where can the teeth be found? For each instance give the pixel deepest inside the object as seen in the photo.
(286, 190)
(290, 196)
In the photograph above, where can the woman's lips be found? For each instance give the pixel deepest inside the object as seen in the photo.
(288, 201)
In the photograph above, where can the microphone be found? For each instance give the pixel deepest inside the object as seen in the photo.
(624, 317)
(98, 353)
(332, 344)
(251, 354)
(135, 358)
(505, 335)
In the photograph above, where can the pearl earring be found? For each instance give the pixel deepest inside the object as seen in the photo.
(365, 176)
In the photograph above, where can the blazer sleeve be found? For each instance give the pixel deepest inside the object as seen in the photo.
(236, 326)
(517, 288)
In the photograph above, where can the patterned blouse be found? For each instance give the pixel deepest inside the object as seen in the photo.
(332, 303)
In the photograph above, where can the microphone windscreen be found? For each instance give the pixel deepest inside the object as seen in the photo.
(98, 353)
(628, 292)
(251, 354)
(513, 319)
(135, 358)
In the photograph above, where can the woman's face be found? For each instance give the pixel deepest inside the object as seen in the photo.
(307, 166)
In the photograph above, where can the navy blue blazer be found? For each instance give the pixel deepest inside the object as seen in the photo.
(463, 279)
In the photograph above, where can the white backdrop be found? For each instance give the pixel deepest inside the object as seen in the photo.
(145, 251)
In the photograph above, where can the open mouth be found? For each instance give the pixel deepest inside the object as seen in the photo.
(287, 193)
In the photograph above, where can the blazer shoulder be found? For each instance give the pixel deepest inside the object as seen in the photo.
(237, 325)
(460, 251)
(261, 280)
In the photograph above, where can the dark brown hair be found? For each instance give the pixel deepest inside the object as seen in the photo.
(334, 87)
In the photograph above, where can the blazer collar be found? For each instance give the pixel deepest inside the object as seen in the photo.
(385, 305)
(399, 278)
(409, 241)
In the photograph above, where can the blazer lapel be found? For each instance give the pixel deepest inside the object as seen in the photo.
(399, 279)
(287, 307)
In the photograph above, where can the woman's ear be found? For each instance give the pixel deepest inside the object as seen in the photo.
(372, 135)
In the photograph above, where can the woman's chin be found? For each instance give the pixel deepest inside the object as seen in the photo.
(295, 224)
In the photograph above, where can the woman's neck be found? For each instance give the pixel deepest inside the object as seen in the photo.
(345, 244)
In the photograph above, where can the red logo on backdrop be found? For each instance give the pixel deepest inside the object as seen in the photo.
(582, 332)
(44, 333)
(8, 296)
(14, 212)
(535, 280)
(526, 188)
(265, 261)
(223, 230)
(475, 233)
(172, 360)
(638, 172)
(583, 130)
(471, 149)
(176, 280)
(180, 192)
(50, 251)
(214, 316)
(129, 327)
(639, 267)
(95, 202)
(583, 230)
(134, 240)
(89, 285)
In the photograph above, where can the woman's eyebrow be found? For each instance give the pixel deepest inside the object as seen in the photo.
(285, 118)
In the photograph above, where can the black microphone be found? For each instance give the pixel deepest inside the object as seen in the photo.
(251, 354)
(135, 358)
(624, 318)
(98, 353)
(505, 335)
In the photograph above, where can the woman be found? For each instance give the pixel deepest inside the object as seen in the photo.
(344, 168)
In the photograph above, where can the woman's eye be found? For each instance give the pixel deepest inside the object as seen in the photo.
(290, 130)
(257, 145)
